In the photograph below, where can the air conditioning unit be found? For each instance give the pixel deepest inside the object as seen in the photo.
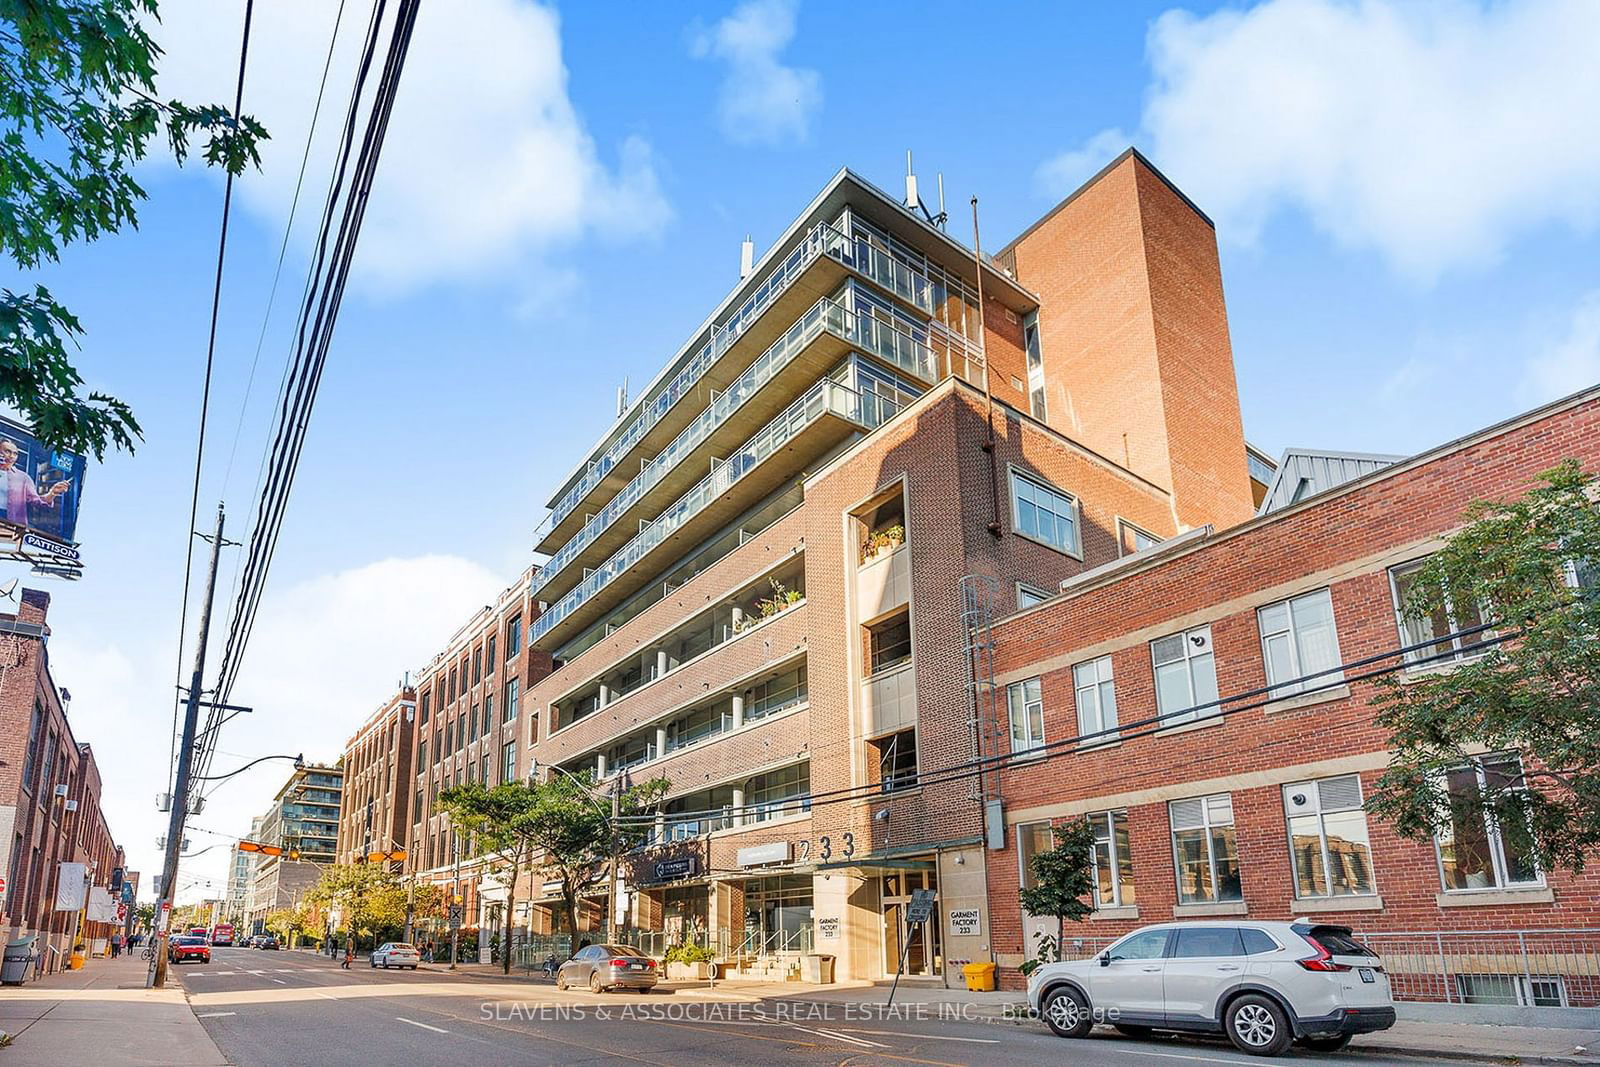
(61, 790)
(72, 805)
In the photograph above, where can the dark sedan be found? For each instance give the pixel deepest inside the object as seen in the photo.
(605, 967)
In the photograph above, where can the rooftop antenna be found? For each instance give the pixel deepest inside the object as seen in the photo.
(747, 258)
(913, 199)
(622, 398)
(943, 216)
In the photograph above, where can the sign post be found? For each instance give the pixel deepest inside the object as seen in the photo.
(918, 913)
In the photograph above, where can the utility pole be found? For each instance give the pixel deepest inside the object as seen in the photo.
(457, 901)
(611, 899)
(411, 903)
(180, 796)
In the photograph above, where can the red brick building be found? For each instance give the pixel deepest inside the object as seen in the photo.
(1254, 807)
(375, 802)
(50, 792)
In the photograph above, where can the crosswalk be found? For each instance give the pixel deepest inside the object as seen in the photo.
(230, 974)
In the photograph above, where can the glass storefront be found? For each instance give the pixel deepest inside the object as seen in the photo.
(919, 944)
(777, 914)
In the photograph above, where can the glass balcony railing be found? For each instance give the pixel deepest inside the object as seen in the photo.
(886, 270)
(824, 398)
(886, 340)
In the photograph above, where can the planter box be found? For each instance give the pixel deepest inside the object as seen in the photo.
(678, 972)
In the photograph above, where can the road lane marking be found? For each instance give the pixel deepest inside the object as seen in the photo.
(856, 1041)
(214, 1014)
(923, 1037)
(1174, 1055)
(280, 981)
(425, 1026)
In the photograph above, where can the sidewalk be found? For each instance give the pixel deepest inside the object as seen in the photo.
(1447, 1040)
(103, 1014)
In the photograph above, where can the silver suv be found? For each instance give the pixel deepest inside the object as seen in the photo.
(1264, 984)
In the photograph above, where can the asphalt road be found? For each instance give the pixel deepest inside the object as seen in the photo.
(287, 1009)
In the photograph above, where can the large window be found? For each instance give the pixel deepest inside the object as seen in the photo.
(488, 657)
(1096, 696)
(889, 643)
(1044, 513)
(1328, 843)
(897, 761)
(1131, 539)
(778, 793)
(1475, 853)
(1298, 640)
(1203, 850)
(1026, 703)
(511, 698)
(1186, 676)
(775, 694)
(1113, 861)
(1439, 631)
(513, 636)
(422, 720)
(508, 762)
(477, 665)
(1032, 839)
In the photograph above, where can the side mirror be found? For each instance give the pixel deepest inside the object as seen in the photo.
(1105, 959)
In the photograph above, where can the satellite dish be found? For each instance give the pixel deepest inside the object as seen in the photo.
(11, 597)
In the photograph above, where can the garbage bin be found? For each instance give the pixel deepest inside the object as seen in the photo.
(817, 968)
(18, 958)
(979, 976)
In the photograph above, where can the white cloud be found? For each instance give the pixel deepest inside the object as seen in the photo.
(326, 652)
(1065, 172)
(1571, 362)
(486, 158)
(1433, 134)
(762, 101)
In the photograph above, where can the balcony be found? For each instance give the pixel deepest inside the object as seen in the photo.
(824, 416)
(731, 349)
(889, 701)
(811, 347)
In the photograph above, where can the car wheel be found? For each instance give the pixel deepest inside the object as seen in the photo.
(594, 983)
(1066, 1013)
(1132, 1031)
(1258, 1026)
(1326, 1044)
(561, 983)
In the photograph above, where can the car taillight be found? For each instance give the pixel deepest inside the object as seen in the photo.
(619, 962)
(650, 964)
(1323, 960)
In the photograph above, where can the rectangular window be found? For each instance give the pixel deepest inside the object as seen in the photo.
(488, 658)
(473, 723)
(508, 762)
(48, 767)
(1439, 631)
(778, 793)
(1036, 402)
(452, 683)
(416, 812)
(1328, 843)
(1028, 595)
(423, 718)
(1131, 539)
(1097, 699)
(1186, 676)
(889, 643)
(897, 761)
(511, 699)
(477, 665)
(1025, 701)
(34, 729)
(513, 636)
(775, 694)
(1032, 839)
(1473, 852)
(1203, 851)
(1520, 990)
(1300, 644)
(483, 772)
(422, 752)
(1113, 860)
(1044, 514)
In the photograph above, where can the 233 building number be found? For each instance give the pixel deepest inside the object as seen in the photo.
(825, 848)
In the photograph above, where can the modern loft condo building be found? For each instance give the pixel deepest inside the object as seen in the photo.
(771, 581)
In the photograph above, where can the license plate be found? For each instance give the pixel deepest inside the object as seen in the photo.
(635, 966)
(1366, 974)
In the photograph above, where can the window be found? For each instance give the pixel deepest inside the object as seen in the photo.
(513, 636)
(472, 723)
(422, 752)
(483, 773)
(1131, 539)
(1328, 844)
(477, 665)
(1206, 942)
(1439, 630)
(1473, 853)
(1026, 703)
(508, 762)
(1028, 596)
(33, 745)
(1144, 945)
(488, 712)
(423, 719)
(889, 643)
(452, 683)
(1257, 941)
(416, 812)
(48, 766)
(897, 761)
(1030, 344)
(488, 658)
(1186, 676)
(1097, 699)
(1298, 641)
(1113, 860)
(776, 793)
(775, 694)
(1524, 991)
(1044, 514)
(1036, 403)
(511, 698)
(1203, 849)
(1030, 339)
(1032, 839)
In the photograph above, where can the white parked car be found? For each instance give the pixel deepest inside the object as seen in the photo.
(1264, 984)
(395, 954)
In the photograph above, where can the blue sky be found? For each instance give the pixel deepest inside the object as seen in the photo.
(1406, 222)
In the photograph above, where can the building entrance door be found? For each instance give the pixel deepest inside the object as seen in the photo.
(920, 943)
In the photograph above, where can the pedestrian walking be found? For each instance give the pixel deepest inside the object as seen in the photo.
(349, 954)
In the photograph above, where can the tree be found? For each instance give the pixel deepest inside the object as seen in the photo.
(1528, 566)
(494, 819)
(369, 898)
(571, 830)
(1063, 877)
(77, 114)
(286, 923)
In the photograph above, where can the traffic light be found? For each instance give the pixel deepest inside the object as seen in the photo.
(394, 856)
(294, 853)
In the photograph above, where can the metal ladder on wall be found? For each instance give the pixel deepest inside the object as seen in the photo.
(978, 593)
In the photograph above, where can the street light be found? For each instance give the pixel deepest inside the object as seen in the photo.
(299, 765)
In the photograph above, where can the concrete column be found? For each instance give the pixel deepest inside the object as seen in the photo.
(661, 741)
(600, 765)
(738, 710)
(661, 828)
(661, 662)
(738, 618)
(605, 694)
(738, 802)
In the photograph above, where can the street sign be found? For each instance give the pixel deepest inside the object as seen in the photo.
(455, 916)
(921, 906)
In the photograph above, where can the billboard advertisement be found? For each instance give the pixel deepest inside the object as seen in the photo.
(39, 486)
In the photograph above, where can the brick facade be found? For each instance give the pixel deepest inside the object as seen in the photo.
(375, 805)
